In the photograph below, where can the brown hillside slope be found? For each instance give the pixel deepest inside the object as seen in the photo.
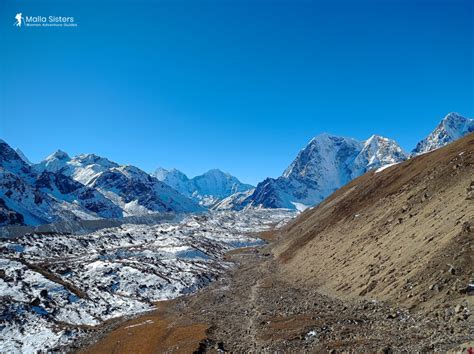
(404, 234)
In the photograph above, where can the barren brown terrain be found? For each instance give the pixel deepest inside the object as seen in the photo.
(382, 265)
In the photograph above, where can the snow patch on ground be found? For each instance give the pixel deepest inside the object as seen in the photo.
(380, 169)
(300, 206)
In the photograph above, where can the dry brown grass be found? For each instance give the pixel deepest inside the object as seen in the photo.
(160, 331)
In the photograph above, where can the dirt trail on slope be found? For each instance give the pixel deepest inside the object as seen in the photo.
(253, 309)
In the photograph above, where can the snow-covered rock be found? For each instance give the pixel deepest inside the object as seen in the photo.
(451, 128)
(23, 202)
(65, 188)
(12, 162)
(207, 189)
(377, 152)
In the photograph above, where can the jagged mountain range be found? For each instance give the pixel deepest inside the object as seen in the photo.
(88, 186)
(207, 189)
(328, 162)
(61, 188)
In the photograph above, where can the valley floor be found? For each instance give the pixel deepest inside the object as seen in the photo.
(253, 309)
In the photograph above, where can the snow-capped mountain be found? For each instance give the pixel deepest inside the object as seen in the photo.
(325, 164)
(87, 186)
(377, 152)
(34, 198)
(175, 179)
(452, 127)
(83, 168)
(132, 190)
(207, 189)
(12, 162)
(20, 201)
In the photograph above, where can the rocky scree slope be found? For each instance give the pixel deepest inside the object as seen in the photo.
(402, 235)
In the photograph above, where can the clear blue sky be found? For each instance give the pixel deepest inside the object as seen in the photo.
(238, 85)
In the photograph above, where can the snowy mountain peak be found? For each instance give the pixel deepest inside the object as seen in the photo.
(321, 153)
(378, 151)
(58, 155)
(376, 139)
(452, 127)
(11, 161)
(166, 176)
(216, 173)
(93, 159)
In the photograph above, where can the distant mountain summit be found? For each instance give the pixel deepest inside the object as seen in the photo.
(81, 168)
(207, 189)
(451, 128)
(325, 164)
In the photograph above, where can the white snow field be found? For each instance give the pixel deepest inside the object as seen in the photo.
(51, 285)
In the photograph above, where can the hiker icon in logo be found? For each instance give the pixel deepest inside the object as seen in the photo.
(19, 19)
